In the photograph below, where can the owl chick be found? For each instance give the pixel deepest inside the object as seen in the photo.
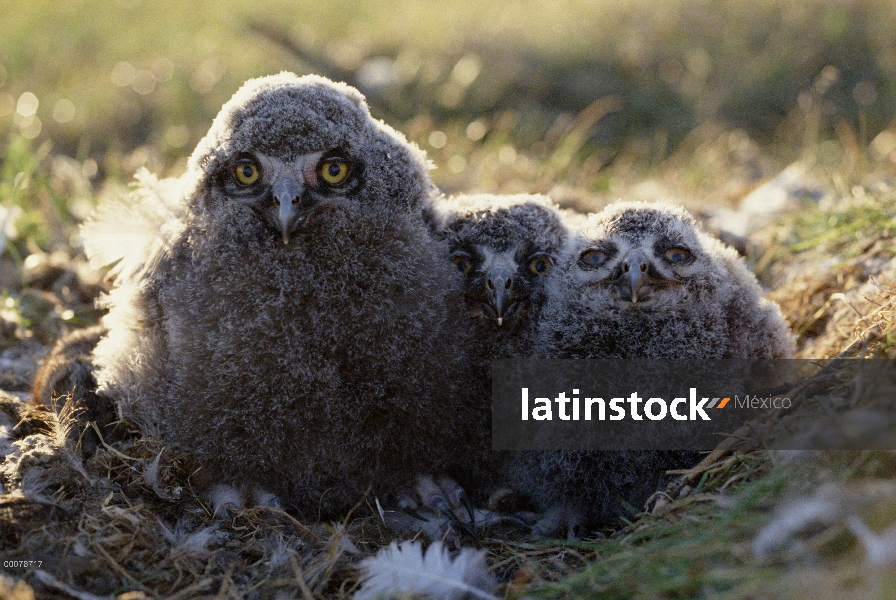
(504, 248)
(639, 281)
(281, 309)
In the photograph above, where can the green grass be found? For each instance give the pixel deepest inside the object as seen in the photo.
(837, 231)
(702, 547)
(25, 192)
(699, 550)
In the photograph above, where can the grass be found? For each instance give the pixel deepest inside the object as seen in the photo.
(703, 546)
(105, 88)
(697, 102)
(830, 266)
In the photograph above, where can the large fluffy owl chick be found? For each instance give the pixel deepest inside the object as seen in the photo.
(280, 310)
(505, 248)
(642, 281)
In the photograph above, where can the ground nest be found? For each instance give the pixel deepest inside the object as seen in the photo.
(743, 522)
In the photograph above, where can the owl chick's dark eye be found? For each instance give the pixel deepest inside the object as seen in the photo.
(592, 259)
(541, 264)
(246, 173)
(678, 255)
(334, 170)
(463, 263)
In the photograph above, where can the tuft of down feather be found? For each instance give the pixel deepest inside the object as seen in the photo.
(406, 570)
(131, 232)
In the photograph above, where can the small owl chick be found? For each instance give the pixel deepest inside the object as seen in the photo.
(281, 309)
(640, 281)
(504, 248)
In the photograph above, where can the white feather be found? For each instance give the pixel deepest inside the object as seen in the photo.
(151, 474)
(223, 496)
(132, 230)
(407, 570)
(196, 542)
(880, 549)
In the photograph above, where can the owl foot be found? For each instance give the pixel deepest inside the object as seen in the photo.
(224, 497)
(66, 384)
(444, 495)
(561, 521)
(447, 499)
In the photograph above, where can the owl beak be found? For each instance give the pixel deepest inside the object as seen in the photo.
(499, 281)
(288, 194)
(634, 274)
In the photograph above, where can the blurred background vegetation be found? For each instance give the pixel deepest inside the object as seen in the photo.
(503, 95)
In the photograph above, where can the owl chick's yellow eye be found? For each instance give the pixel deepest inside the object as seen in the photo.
(334, 172)
(592, 259)
(541, 265)
(678, 255)
(246, 173)
(463, 263)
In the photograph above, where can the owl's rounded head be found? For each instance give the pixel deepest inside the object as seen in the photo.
(639, 256)
(287, 146)
(505, 248)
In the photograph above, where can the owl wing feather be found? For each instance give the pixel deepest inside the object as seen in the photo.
(130, 233)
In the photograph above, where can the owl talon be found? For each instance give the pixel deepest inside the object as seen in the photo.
(436, 505)
(470, 511)
(445, 495)
(413, 513)
(463, 527)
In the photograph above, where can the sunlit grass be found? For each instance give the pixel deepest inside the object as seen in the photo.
(109, 77)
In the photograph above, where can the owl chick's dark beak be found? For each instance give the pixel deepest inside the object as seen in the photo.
(288, 194)
(639, 280)
(634, 275)
(501, 298)
(499, 281)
